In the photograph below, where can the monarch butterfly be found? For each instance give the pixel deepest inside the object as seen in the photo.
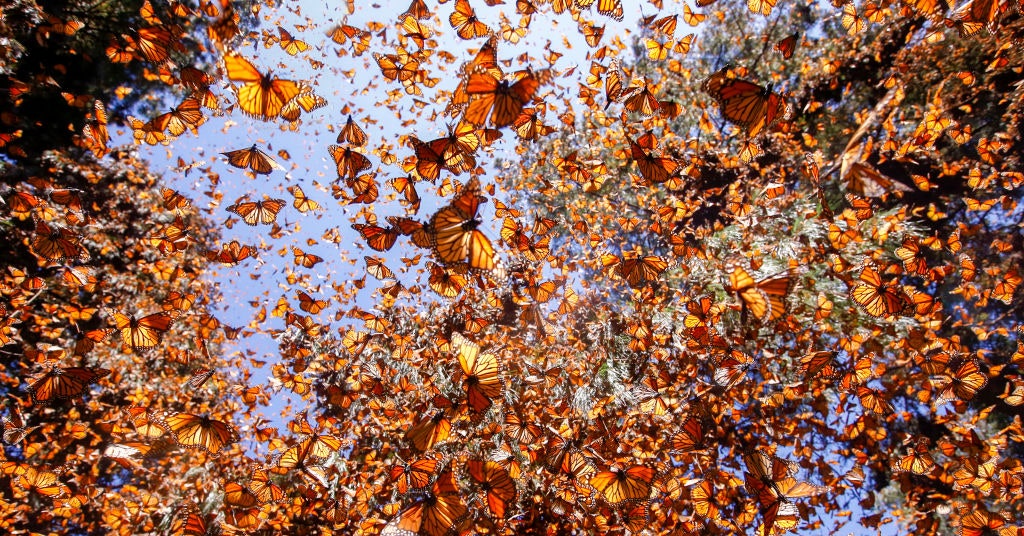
(747, 104)
(350, 163)
(239, 496)
(771, 480)
(787, 45)
(446, 282)
(981, 522)
(917, 460)
(394, 67)
(818, 364)
(640, 99)
(1007, 286)
(310, 305)
(766, 299)
(732, 368)
(289, 44)
(963, 383)
(305, 101)
(200, 377)
(705, 503)
(144, 422)
(910, 254)
(187, 115)
(690, 437)
(429, 431)
(434, 155)
(496, 483)
(351, 133)
(635, 269)
(174, 200)
(254, 159)
(613, 87)
(416, 475)
(142, 333)
(378, 238)
(618, 485)
(63, 382)
(14, 428)
(57, 243)
(483, 381)
(198, 432)
(655, 169)
(763, 7)
(433, 512)
(465, 23)
(406, 185)
(254, 212)
(232, 253)
(43, 482)
(970, 18)
(260, 96)
(456, 239)
(592, 34)
(501, 99)
(260, 485)
(413, 29)
(189, 521)
(529, 125)
(877, 297)
(608, 8)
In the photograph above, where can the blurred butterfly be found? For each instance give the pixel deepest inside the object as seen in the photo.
(749, 105)
(63, 382)
(252, 158)
(198, 432)
(456, 239)
(200, 377)
(174, 200)
(765, 299)
(254, 212)
(260, 96)
(787, 45)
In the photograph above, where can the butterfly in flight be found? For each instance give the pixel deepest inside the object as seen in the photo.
(752, 107)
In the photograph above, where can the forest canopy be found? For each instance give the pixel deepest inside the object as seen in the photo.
(520, 267)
